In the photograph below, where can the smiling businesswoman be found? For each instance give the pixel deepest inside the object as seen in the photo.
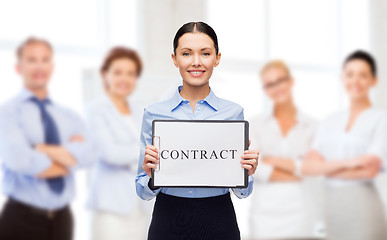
(115, 125)
(283, 206)
(192, 213)
(349, 149)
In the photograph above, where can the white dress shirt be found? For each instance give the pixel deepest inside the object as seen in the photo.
(282, 210)
(368, 135)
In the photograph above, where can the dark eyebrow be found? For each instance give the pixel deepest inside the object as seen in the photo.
(189, 49)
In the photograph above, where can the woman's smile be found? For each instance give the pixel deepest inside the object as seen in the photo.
(196, 72)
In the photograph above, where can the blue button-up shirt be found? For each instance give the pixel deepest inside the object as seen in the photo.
(20, 130)
(210, 108)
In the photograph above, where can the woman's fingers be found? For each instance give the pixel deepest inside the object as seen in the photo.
(252, 162)
(250, 169)
(152, 148)
(250, 165)
(250, 156)
(151, 153)
(151, 166)
(247, 166)
(253, 151)
(151, 159)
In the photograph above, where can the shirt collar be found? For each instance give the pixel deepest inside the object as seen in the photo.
(300, 116)
(26, 95)
(177, 100)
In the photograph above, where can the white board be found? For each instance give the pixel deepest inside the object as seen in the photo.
(200, 153)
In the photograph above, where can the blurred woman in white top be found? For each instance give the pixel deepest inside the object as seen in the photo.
(115, 124)
(349, 148)
(282, 207)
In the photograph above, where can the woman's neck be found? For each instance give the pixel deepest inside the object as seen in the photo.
(285, 114)
(358, 105)
(286, 109)
(193, 94)
(120, 103)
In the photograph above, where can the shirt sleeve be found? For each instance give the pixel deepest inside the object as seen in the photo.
(142, 179)
(83, 151)
(15, 151)
(243, 192)
(263, 172)
(378, 142)
(111, 151)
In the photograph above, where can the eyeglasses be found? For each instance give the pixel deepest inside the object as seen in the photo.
(275, 83)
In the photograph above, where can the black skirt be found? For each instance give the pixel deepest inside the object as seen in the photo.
(177, 218)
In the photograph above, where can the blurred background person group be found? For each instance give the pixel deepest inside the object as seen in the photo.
(348, 149)
(43, 144)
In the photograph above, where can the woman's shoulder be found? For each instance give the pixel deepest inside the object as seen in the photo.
(159, 109)
(98, 105)
(230, 107)
(261, 118)
(378, 112)
(158, 106)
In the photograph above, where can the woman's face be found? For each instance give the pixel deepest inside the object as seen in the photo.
(277, 84)
(121, 77)
(196, 58)
(358, 79)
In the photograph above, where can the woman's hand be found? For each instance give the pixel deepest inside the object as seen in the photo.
(151, 159)
(313, 155)
(367, 161)
(250, 160)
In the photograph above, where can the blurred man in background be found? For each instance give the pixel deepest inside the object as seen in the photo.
(41, 146)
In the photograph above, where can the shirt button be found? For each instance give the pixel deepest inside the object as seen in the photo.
(190, 192)
(201, 101)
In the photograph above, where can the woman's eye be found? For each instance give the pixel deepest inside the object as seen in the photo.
(185, 54)
(206, 54)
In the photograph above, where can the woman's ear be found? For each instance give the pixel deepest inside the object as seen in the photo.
(174, 59)
(217, 60)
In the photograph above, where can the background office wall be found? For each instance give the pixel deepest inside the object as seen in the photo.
(312, 36)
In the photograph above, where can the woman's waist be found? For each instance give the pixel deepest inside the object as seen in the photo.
(279, 189)
(336, 182)
(194, 192)
(176, 201)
